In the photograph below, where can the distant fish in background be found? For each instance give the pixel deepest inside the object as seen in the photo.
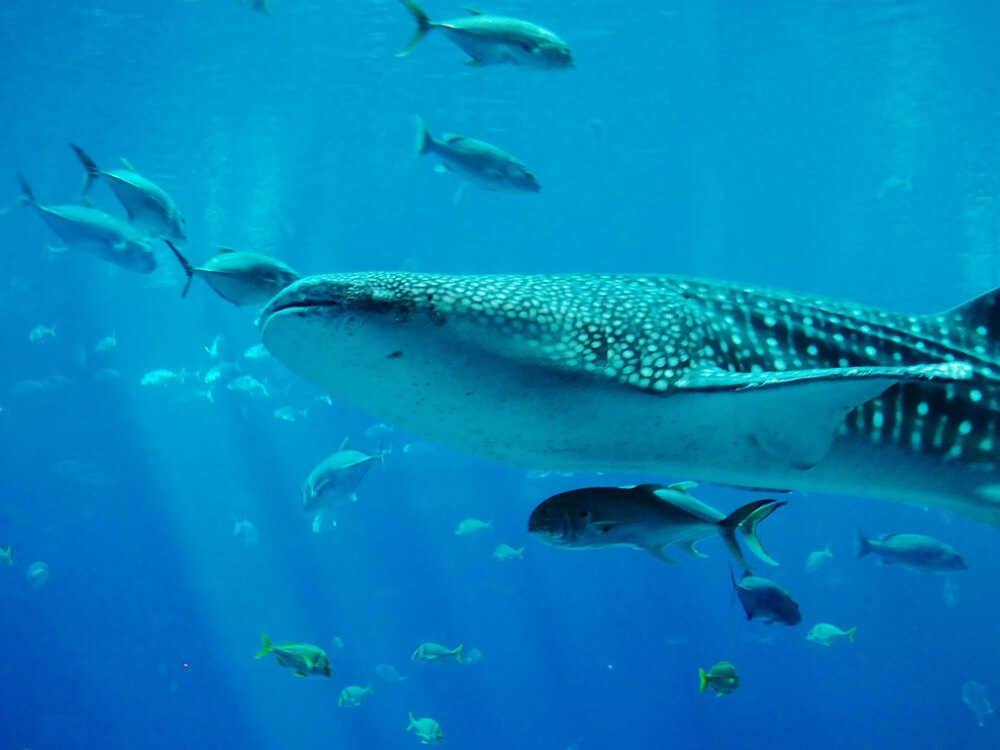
(721, 678)
(106, 344)
(816, 559)
(247, 531)
(241, 278)
(476, 162)
(93, 231)
(495, 40)
(914, 551)
(470, 526)
(826, 634)
(506, 552)
(5, 556)
(950, 592)
(388, 673)
(144, 201)
(427, 729)
(257, 351)
(213, 349)
(353, 695)
(39, 333)
(974, 696)
(431, 653)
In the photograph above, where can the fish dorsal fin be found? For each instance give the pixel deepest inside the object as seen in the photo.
(343, 444)
(222, 249)
(682, 486)
(127, 164)
(981, 312)
(792, 416)
(473, 11)
(452, 138)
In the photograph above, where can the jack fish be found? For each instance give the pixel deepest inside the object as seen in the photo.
(145, 202)
(495, 40)
(239, 277)
(659, 374)
(95, 232)
(477, 162)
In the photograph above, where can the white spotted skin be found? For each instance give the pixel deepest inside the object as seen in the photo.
(580, 373)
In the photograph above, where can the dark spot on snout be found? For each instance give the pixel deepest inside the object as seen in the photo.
(394, 355)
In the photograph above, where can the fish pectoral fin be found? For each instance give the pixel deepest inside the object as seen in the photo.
(792, 416)
(689, 548)
(459, 192)
(682, 486)
(659, 554)
(441, 168)
(475, 64)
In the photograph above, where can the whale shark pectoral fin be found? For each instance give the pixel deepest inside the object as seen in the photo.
(793, 416)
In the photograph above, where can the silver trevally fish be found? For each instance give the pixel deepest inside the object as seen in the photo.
(95, 232)
(914, 551)
(238, 277)
(144, 201)
(649, 517)
(477, 162)
(495, 40)
(660, 374)
(333, 480)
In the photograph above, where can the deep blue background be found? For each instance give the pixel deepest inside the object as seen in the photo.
(848, 149)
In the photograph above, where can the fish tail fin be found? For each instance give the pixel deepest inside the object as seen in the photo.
(702, 680)
(851, 633)
(458, 653)
(93, 171)
(424, 141)
(520, 553)
(750, 514)
(861, 545)
(370, 688)
(267, 648)
(188, 268)
(413, 722)
(423, 26)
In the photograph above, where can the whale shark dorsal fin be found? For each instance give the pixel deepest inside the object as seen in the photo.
(127, 164)
(343, 444)
(792, 416)
(473, 11)
(221, 249)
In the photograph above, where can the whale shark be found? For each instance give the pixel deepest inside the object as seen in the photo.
(709, 380)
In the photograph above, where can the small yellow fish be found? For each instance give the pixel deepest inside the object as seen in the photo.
(722, 678)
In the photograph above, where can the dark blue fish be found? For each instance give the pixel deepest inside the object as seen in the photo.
(765, 600)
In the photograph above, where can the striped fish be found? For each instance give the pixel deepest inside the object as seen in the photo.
(715, 381)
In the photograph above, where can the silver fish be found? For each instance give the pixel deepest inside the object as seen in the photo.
(477, 162)
(649, 517)
(144, 201)
(334, 480)
(659, 374)
(95, 232)
(495, 40)
(238, 277)
(914, 551)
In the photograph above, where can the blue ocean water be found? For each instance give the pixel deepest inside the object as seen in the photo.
(847, 149)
